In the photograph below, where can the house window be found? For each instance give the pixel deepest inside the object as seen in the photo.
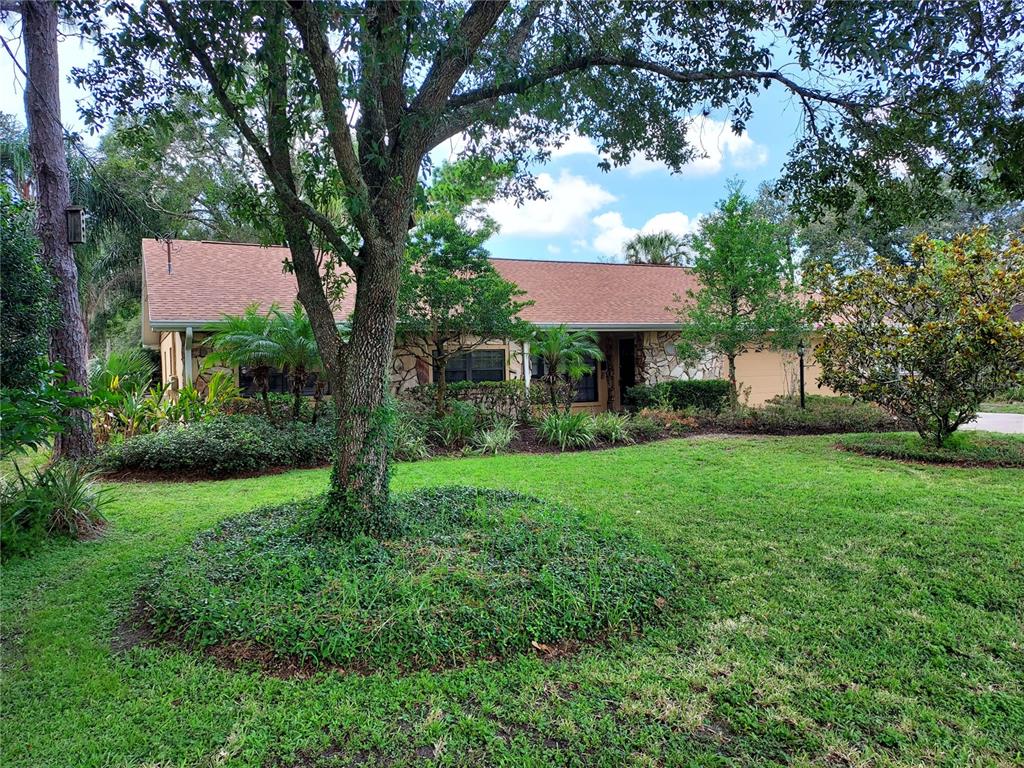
(586, 388)
(478, 365)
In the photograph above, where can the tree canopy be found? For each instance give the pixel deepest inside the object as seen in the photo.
(350, 97)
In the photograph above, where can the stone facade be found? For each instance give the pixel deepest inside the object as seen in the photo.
(658, 360)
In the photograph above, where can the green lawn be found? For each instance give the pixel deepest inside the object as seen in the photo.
(1002, 407)
(841, 611)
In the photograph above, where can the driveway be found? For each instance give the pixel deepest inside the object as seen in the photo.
(1010, 423)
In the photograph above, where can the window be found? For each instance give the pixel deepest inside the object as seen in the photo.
(586, 389)
(279, 381)
(478, 365)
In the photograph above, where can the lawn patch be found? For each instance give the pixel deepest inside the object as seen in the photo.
(969, 449)
(475, 574)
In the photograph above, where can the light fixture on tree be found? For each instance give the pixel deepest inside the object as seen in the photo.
(74, 217)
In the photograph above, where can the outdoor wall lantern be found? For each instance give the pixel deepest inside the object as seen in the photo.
(74, 216)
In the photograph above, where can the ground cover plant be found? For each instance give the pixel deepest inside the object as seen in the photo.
(843, 610)
(965, 448)
(473, 574)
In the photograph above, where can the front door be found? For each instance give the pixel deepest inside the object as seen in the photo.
(627, 369)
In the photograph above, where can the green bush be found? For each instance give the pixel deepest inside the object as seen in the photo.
(823, 415)
(567, 430)
(703, 394)
(476, 574)
(410, 435)
(59, 500)
(224, 446)
(964, 448)
(456, 427)
(507, 399)
(613, 427)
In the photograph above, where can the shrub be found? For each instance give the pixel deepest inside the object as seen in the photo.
(61, 500)
(613, 427)
(410, 436)
(567, 430)
(475, 574)
(223, 446)
(823, 415)
(507, 399)
(456, 427)
(644, 426)
(495, 440)
(967, 448)
(703, 394)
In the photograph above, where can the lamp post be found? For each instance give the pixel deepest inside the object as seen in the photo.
(800, 353)
(73, 218)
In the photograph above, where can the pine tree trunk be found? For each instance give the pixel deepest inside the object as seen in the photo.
(732, 380)
(69, 342)
(441, 385)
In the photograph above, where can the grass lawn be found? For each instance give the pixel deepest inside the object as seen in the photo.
(841, 610)
(1002, 407)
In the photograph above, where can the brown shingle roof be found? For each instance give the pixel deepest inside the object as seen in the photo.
(210, 279)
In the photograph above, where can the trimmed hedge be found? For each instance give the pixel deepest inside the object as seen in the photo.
(223, 446)
(702, 394)
(822, 416)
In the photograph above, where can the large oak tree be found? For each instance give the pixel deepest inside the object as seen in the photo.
(351, 97)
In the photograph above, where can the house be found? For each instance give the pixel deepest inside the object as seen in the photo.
(189, 285)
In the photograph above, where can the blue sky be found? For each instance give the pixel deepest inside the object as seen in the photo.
(589, 213)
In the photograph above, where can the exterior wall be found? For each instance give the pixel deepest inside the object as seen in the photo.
(768, 373)
(171, 364)
(660, 362)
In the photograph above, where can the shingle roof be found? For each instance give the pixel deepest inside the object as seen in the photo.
(210, 279)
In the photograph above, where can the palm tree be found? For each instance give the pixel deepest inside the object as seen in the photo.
(246, 340)
(566, 355)
(659, 248)
(296, 350)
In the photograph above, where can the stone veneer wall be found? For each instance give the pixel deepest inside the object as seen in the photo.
(657, 360)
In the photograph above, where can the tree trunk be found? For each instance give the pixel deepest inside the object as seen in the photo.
(441, 384)
(298, 379)
(358, 500)
(69, 342)
(732, 380)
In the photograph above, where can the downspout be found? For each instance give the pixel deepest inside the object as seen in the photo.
(526, 364)
(188, 356)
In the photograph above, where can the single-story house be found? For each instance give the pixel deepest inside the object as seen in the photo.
(189, 285)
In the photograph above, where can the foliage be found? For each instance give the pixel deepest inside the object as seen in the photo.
(494, 440)
(900, 586)
(567, 430)
(410, 436)
(747, 294)
(296, 350)
(26, 304)
(61, 499)
(703, 394)
(565, 354)
(657, 248)
(928, 341)
(451, 298)
(613, 428)
(475, 574)
(661, 421)
(971, 449)
(245, 341)
(220, 447)
(456, 427)
(31, 418)
(131, 370)
(823, 415)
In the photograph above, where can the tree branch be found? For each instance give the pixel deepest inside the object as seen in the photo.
(234, 113)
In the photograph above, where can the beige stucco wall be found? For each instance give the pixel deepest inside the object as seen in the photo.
(171, 364)
(767, 373)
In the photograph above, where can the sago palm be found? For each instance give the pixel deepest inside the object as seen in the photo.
(296, 348)
(246, 341)
(565, 354)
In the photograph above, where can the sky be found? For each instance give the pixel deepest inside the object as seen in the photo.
(589, 214)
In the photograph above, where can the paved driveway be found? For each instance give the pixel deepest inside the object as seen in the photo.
(1010, 423)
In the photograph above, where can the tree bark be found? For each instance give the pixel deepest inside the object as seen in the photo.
(69, 342)
(732, 380)
(441, 384)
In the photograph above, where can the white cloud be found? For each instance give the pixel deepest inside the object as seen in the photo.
(570, 200)
(574, 145)
(716, 143)
(554, 250)
(613, 234)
